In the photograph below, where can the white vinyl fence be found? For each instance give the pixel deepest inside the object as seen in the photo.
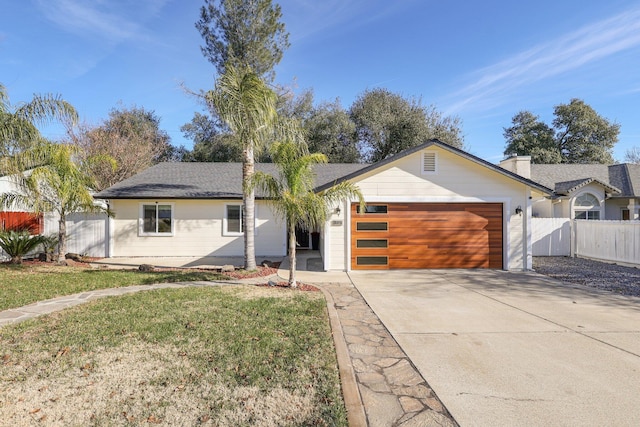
(612, 241)
(551, 236)
(87, 233)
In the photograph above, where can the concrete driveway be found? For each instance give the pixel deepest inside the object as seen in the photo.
(514, 349)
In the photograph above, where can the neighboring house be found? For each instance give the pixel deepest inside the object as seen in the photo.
(583, 191)
(432, 206)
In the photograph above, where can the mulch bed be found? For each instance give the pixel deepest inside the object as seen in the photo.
(261, 271)
(300, 287)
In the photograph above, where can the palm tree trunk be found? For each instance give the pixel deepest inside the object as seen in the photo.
(292, 255)
(62, 238)
(248, 198)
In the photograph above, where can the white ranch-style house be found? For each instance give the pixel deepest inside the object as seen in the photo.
(431, 206)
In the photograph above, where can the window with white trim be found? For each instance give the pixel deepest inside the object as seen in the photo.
(429, 163)
(586, 206)
(234, 218)
(156, 219)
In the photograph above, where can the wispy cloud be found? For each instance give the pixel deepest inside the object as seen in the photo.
(307, 18)
(492, 85)
(112, 21)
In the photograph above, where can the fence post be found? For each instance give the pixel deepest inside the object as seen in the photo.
(574, 239)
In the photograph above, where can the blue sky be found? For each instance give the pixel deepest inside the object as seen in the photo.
(482, 61)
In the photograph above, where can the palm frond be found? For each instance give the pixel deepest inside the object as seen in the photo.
(43, 109)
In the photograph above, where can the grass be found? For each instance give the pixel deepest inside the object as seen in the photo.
(22, 284)
(223, 356)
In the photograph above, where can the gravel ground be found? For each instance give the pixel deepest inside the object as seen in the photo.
(611, 277)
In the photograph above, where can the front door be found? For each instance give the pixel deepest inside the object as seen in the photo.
(302, 238)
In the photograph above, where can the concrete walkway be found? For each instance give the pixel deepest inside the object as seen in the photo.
(381, 386)
(513, 348)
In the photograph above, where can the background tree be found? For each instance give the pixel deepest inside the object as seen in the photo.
(529, 136)
(386, 124)
(291, 193)
(210, 143)
(243, 33)
(632, 155)
(248, 107)
(132, 137)
(330, 131)
(578, 135)
(57, 184)
(18, 123)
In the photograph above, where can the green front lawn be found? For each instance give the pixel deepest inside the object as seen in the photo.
(217, 356)
(23, 284)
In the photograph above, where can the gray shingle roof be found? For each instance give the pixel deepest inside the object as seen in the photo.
(623, 180)
(204, 180)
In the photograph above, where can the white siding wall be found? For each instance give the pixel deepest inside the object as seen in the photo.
(197, 231)
(542, 207)
(336, 230)
(456, 180)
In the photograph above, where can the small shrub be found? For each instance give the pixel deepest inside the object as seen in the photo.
(18, 243)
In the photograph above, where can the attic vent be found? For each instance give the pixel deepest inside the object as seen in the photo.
(429, 163)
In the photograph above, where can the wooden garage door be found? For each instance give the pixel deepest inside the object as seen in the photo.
(426, 235)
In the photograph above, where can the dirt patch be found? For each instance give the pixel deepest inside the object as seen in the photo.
(300, 286)
(611, 277)
(134, 385)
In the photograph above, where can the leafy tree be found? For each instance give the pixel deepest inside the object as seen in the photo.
(248, 107)
(578, 135)
(17, 244)
(291, 193)
(130, 136)
(331, 132)
(529, 136)
(210, 143)
(632, 155)
(56, 184)
(386, 124)
(18, 123)
(243, 33)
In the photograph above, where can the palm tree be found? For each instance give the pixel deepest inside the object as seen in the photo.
(18, 123)
(53, 183)
(292, 196)
(248, 107)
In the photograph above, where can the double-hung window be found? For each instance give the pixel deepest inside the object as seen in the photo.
(234, 220)
(156, 220)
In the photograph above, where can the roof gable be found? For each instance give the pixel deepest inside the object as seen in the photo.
(446, 147)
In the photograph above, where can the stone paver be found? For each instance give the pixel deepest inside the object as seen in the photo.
(391, 388)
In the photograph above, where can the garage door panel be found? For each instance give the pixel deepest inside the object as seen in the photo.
(431, 235)
(440, 262)
(457, 237)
